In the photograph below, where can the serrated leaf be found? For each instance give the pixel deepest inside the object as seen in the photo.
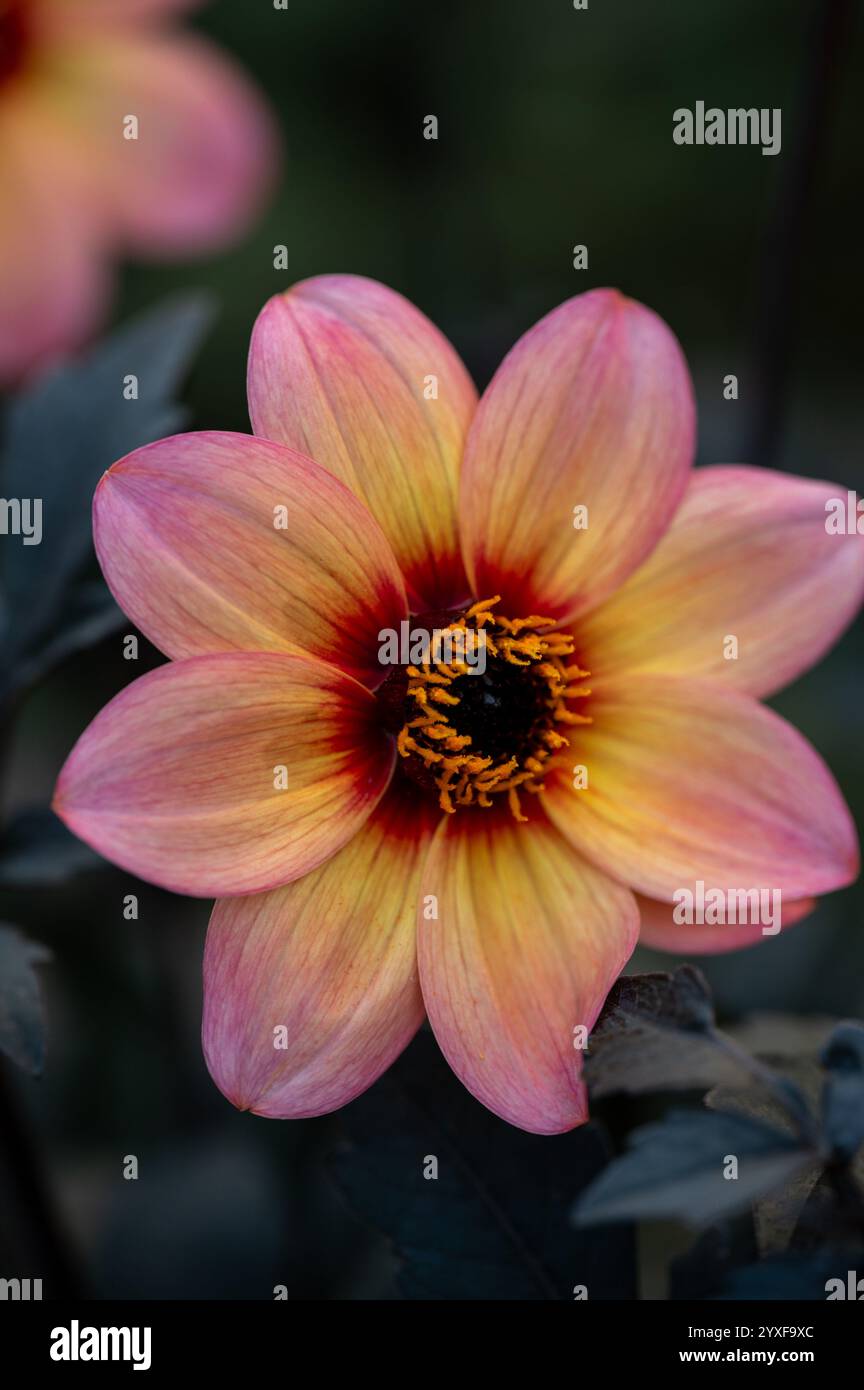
(21, 1018)
(36, 849)
(493, 1224)
(680, 1000)
(60, 437)
(655, 1033)
(676, 1169)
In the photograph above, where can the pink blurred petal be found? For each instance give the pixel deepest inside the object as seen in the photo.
(54, 283)
(74, 16)
(206, 149)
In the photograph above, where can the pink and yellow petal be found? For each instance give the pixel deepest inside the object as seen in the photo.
(527, 941)
(55, 284)
(215, 542)
(747, 559)
(690, 781)
(593, 408)
(75, 16)
(194, 171)
(311, 991)
(349, 372)
(225, 774)
(660, 931)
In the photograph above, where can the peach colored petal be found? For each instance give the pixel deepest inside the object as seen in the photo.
(689, 781)
(593, 408)
(53, 283)
(73, 16)
(205, 149)
(178, 778)
(213, 542)
(527, 941)
(660, 932)
(330, 959)
(341, 368)
(747, 556)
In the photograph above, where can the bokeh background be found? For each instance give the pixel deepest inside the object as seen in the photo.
(555, 128)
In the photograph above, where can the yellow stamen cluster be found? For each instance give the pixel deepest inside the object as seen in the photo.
(463, 776)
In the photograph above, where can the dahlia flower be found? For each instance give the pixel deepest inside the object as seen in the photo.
(386, 841)
(80, 183)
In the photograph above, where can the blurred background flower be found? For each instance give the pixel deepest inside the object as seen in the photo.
(120, 135)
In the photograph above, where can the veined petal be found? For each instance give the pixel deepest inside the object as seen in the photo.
(689, 781)
(592, 408)
(180, 778)
(747, 556)
(528, 940)
(311, 991)
(661, 932)
(349, 372)
(213, 542)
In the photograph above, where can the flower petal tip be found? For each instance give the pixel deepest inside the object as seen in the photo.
(281, 804)
(593, 403)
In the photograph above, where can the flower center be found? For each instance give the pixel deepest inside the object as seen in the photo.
(482, 716)
(13, 37)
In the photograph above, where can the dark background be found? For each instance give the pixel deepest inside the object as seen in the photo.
(555, 128)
